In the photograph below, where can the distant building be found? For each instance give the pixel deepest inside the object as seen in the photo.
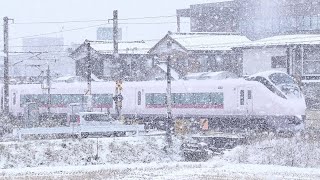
(106, 33)
(255, 19)
(31, 68)
(43, 44)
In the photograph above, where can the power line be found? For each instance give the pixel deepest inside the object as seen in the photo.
(150, 17)
(92, 20)
(151, 23)
(57, 32)
(81, 28)
(60, 45)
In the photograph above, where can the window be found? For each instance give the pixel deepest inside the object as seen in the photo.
(139, 98)
(189, 99)
(279, 62)
(99, 100)
(314, 22)
(14, 99)
(242, 97)
(249, 94)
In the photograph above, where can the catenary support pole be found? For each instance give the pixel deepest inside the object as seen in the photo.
(169, 108)
(49, 89)
(89, 72)
(118, 77)
(178, 24)
(6, 64)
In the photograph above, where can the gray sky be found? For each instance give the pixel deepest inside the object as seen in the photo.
(66, 10)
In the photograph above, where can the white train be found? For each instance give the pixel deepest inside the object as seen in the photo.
(270, 99)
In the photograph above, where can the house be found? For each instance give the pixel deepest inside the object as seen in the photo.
(295, 54)
(132, 61)
(298, 55)
(200, 52)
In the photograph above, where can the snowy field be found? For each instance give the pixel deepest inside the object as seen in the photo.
(143, 158)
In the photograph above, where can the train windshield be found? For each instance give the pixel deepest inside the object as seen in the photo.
(286, 84)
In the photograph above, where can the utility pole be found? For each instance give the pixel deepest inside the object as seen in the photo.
(49, 88)
(89, 71)
(118, 97)
(178, 23)
(169, 108)
(115, 34)
(6, 64)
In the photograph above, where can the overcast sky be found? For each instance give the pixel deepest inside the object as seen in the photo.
(67, 10)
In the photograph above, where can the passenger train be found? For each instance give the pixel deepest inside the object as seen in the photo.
(271, 100)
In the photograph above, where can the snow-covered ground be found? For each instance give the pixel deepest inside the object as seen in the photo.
(214, 169)
(143, 158)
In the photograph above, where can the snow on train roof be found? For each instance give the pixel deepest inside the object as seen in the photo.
(266, 74)
(109, 87)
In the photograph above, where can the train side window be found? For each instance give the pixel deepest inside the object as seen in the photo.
(242, 97)
(139, 97)
(14, 100)
(249, 94)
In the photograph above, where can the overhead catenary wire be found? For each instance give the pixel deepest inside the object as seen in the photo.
(92, 20)
(87, 27)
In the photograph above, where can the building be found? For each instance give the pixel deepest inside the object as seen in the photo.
(106, 33)
(43, 44)
(255, 19)
(201, 52)
(298, 55)
(31, 67)
(133, 61)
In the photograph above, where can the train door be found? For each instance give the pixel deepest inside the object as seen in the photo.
(245, 103)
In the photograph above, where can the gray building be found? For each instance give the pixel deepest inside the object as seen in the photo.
(43, 44)
(255, 19)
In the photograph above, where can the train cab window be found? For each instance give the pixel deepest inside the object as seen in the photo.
(139, 97)
(249, 94)
(242, 97)
(266, 83)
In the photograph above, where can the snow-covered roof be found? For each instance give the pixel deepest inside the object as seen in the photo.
(125, 47)
(284, 40)
(209, 41)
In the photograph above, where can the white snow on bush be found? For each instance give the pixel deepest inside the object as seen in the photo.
(295, 152)
(127, 150)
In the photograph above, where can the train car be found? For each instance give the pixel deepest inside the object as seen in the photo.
(271, 100)
(57, 103)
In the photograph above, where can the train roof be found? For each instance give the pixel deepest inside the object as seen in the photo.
(81, 87)
(266, 74)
